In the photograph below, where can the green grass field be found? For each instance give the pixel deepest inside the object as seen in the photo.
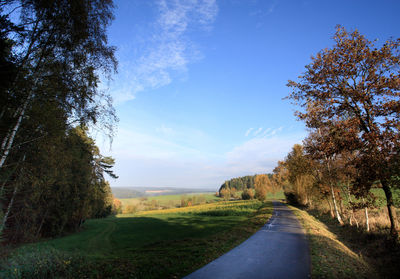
(277, 196)
(381, 198)
(153, 244)
(168, 201)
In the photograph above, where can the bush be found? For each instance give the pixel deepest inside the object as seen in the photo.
(225, 194)
(130, 209)
(41, 263)
(247, 194)
(291, 198)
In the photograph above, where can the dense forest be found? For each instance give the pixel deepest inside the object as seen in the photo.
(250, 187)
(239, 183)
(53, 55)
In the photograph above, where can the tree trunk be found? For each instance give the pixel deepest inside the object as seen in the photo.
(342, 211)
(339, 219)
(9, 139)
(10, 204)
(355, 219)
(394, 229)
(3, 185)
(366, 219)
(347, 193)
(41, 224)
(330, 208)
(366, 215)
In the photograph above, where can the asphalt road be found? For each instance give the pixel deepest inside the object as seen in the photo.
(278, 250)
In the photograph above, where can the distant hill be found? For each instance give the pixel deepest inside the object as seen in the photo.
(136, 192)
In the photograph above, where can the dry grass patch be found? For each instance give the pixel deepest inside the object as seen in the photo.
(330, 258)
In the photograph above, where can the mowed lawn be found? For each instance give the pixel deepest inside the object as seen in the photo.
(155, 244)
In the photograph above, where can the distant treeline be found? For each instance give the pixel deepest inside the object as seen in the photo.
(250, 187)
(239, 183)
(138, 192)
(52, 56)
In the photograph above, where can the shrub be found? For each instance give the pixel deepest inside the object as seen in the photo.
(129, 209)
(247, 194)
(291, 198)
(41, 263)
(225, 194)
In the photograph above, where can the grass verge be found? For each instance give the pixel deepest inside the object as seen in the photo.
(330, 258)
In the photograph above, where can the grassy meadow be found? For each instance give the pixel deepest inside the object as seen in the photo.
(152, 244)
(133, 205)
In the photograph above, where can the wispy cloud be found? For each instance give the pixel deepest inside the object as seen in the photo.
(261, 13)
(164, 130)
(266, 131)
(248, 132)
(258, 155)
(272, 7)
(263, 133)
(257, 131)
(169, 49)
(146, 160)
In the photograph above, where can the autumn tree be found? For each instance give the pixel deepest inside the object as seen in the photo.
(355, 87)
(299, 175)
(261, 185)
(248, 194)
(225, 193)
(281, 176)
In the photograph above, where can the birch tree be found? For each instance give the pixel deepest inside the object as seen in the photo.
(59, 50)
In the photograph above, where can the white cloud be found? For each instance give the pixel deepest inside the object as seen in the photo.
(272, 7)
(258, 131)
(259, 154)
(248, 132)
(266, 132)
(167, 131)
(171, 158)
(168, 49)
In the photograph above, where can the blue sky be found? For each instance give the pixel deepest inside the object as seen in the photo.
(200, 87)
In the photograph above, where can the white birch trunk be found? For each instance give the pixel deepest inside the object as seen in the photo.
(10, 204)
(366, 219)
(3, 223)
(335, 206)
(9, 139)
(366, 216)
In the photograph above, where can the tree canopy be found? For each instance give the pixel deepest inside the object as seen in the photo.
(352, 92)
(53, 56)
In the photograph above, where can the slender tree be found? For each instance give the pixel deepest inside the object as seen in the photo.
(300, 175)
(261, 184)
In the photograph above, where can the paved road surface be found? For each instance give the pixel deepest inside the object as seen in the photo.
(278, 250)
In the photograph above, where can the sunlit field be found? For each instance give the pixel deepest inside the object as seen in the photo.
(133, 205)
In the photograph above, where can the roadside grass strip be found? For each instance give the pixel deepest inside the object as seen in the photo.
(330, 258)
